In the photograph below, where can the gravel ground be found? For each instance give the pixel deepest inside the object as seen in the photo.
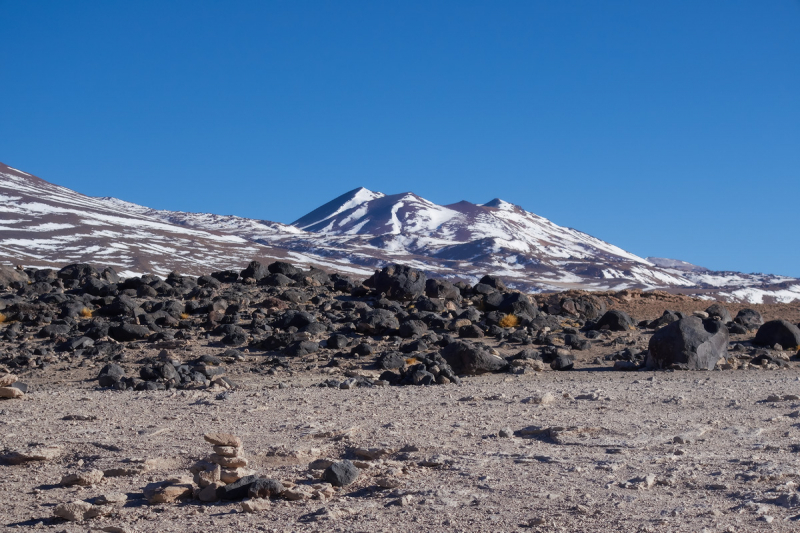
(603, 451)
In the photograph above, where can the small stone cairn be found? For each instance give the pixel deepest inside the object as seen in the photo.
(225, 465)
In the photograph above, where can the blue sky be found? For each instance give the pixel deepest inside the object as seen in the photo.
(667, 128)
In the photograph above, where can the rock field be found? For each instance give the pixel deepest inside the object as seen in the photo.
(281, 399)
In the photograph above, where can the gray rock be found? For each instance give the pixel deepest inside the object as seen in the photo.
(780, 332)
(615, 320)
(399, 282)
(341, 474)
(749, 318)
(465, 358)
(265, 488)
(718, 310)
(693, 342)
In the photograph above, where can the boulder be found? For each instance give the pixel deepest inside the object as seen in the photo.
(749, 318)
(697, 344)
(301, 348)
(470, 331)
(615, 320)
(493, 281)
(129, 332)
(281, 267)
(466, 358)
(399, 282)
(780, 332)
(110, 374)
(341, 474)
(438, 288)
(377, 321)
(668, 317)
(720, 312)
(11, 277)
(518, 304)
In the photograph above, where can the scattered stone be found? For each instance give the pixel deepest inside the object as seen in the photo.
(341, 474)
(32, 453)
(76, 511)
(85, 479)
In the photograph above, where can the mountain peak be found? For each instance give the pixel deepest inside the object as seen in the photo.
(347, 201)
(499, 204)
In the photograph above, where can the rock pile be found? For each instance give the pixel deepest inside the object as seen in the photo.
(277, 317)
(224, 475)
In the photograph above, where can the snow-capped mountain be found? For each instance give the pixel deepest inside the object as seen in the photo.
(42, 224)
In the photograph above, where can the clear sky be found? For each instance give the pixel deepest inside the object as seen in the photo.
(670, 129)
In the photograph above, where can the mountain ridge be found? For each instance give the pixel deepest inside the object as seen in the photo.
(43, 224)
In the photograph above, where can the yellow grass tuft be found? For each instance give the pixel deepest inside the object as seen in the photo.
(86, 312)
(509, 321)
(184, 316)
(3, 318)
(412, 361)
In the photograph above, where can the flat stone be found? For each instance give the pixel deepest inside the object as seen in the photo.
(255, 505)
(231, 475)
(223, 439)
(112, 498)
(168, 493)
(228, 451)
(76, 511)
(300, 492)
(85, 479)
(228, 462)
(32, 453)
(11, 393)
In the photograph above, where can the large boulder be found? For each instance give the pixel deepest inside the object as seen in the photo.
(255, 270)
(466, 358)
(615, 320)
(399, 282)
(584, 306)
(281, 267)
(780, 332)
(749, 318)
(439, 288)
(78, 271)
(691, 343)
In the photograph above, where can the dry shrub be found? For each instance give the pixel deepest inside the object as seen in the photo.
(86, 312)
(509, 321)
(184, 316)
(412, 361)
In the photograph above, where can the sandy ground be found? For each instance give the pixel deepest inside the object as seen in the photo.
(720, 457)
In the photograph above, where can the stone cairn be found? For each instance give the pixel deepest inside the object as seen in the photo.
(224, 466)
